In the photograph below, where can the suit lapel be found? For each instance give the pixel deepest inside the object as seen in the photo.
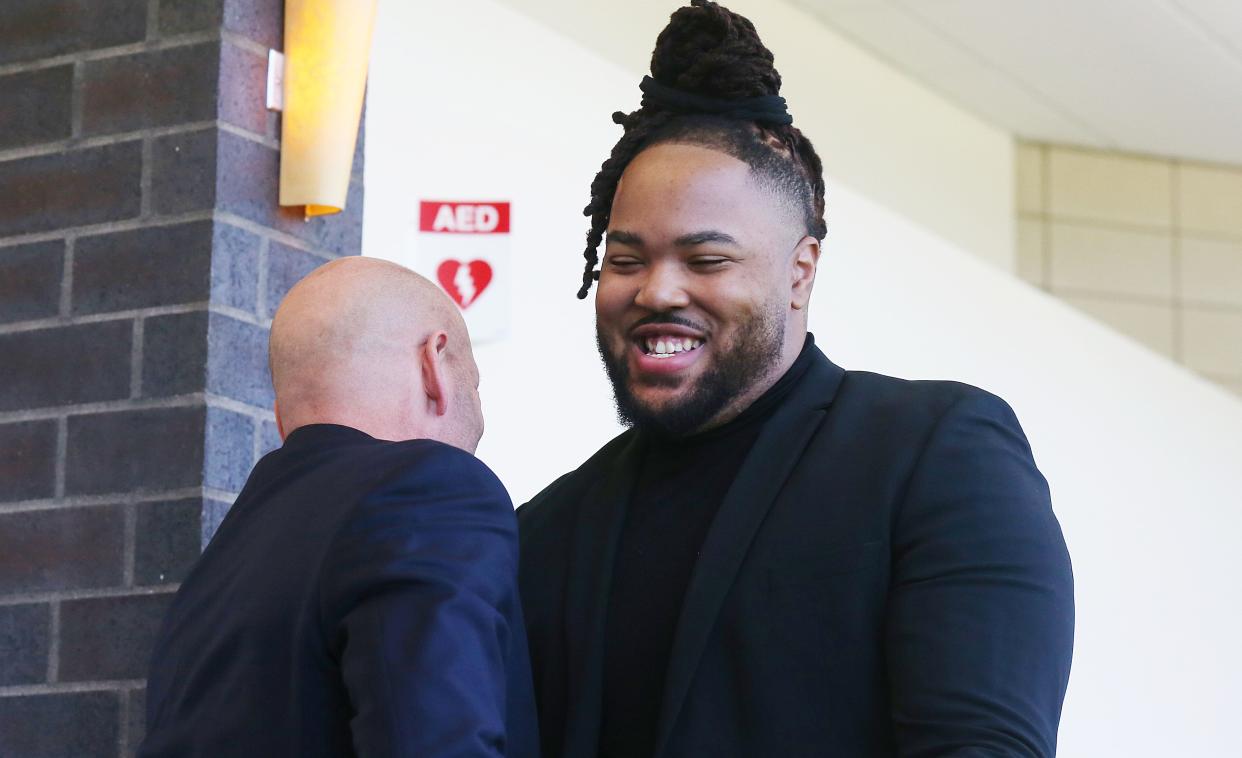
(776, 451)
(597, 529)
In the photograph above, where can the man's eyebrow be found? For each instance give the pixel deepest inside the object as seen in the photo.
(686, 240)
(624, 237)
(701, 238)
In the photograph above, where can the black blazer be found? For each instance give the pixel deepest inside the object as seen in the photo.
(360, 598)
(884, 578)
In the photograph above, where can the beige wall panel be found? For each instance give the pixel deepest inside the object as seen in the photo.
(1211, 271)
(1031, 250)
(1212, 341)
(1150, 324)
(1030, 176)
(1210, 199)
(1111, 188)
(1113, 261)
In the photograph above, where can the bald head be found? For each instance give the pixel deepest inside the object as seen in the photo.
(369, 344)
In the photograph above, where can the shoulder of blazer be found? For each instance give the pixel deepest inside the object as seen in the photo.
(438, 461)
(905, 400)
(557, 499)
(431, 469)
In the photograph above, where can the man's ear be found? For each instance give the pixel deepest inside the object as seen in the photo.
(280, 424)
(805, 263)
(433, 360)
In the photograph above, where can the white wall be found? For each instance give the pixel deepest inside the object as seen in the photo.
(474, 100)
(877, 131)
(1144, 460)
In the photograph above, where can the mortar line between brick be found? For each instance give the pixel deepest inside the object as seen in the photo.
(129, 547)
(135, 359)
(245, 43)
(58, 688)
(246, 134)
(39, 64)
(122, 731)
(240, 315)
(109, 226)
(265, 246)
(90, 501)
(53, 648)
(66, 277)
(64, 595)
(106, 406)
(153, 24)
(75, 102)
(255, 412)
(96, 318)
(83, 143)
(210, 493)
(274, 234)
(167, 43)
(62, 449)
(256, 442)
(144, 179)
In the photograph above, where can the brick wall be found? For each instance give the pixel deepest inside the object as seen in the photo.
(141, 258)
(1150, 246)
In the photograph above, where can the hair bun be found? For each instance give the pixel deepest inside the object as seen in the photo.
(709, 50)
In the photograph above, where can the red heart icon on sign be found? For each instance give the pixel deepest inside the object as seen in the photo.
(464, 282)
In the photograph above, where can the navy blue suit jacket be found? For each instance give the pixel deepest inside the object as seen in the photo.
(885, 577)
(360, 598)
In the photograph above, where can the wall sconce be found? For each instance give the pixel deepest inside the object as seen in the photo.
(327, 48)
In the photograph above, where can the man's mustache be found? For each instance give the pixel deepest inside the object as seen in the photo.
(667, 319)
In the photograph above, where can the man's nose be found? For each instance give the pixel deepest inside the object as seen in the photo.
(663, 288)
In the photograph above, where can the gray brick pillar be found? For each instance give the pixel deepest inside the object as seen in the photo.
(142, 255)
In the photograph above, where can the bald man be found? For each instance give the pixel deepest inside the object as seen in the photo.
(360, 597)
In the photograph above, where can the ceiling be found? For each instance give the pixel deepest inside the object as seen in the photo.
(1160, 77)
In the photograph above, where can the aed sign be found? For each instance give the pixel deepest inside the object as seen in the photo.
(464, 218)
(464, 247)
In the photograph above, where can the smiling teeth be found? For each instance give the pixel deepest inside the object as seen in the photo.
(666, 347)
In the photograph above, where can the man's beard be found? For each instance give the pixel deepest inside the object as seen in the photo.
(755, 351)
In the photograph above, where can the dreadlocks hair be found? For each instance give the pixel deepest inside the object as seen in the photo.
(708, 51)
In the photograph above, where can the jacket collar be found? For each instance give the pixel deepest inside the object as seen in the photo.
(599, 519)
(775, 453)
(598, 522)
(325, 435)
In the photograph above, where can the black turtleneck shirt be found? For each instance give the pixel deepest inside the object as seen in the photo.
(680, 486)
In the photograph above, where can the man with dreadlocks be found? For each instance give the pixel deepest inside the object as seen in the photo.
(779, 557)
